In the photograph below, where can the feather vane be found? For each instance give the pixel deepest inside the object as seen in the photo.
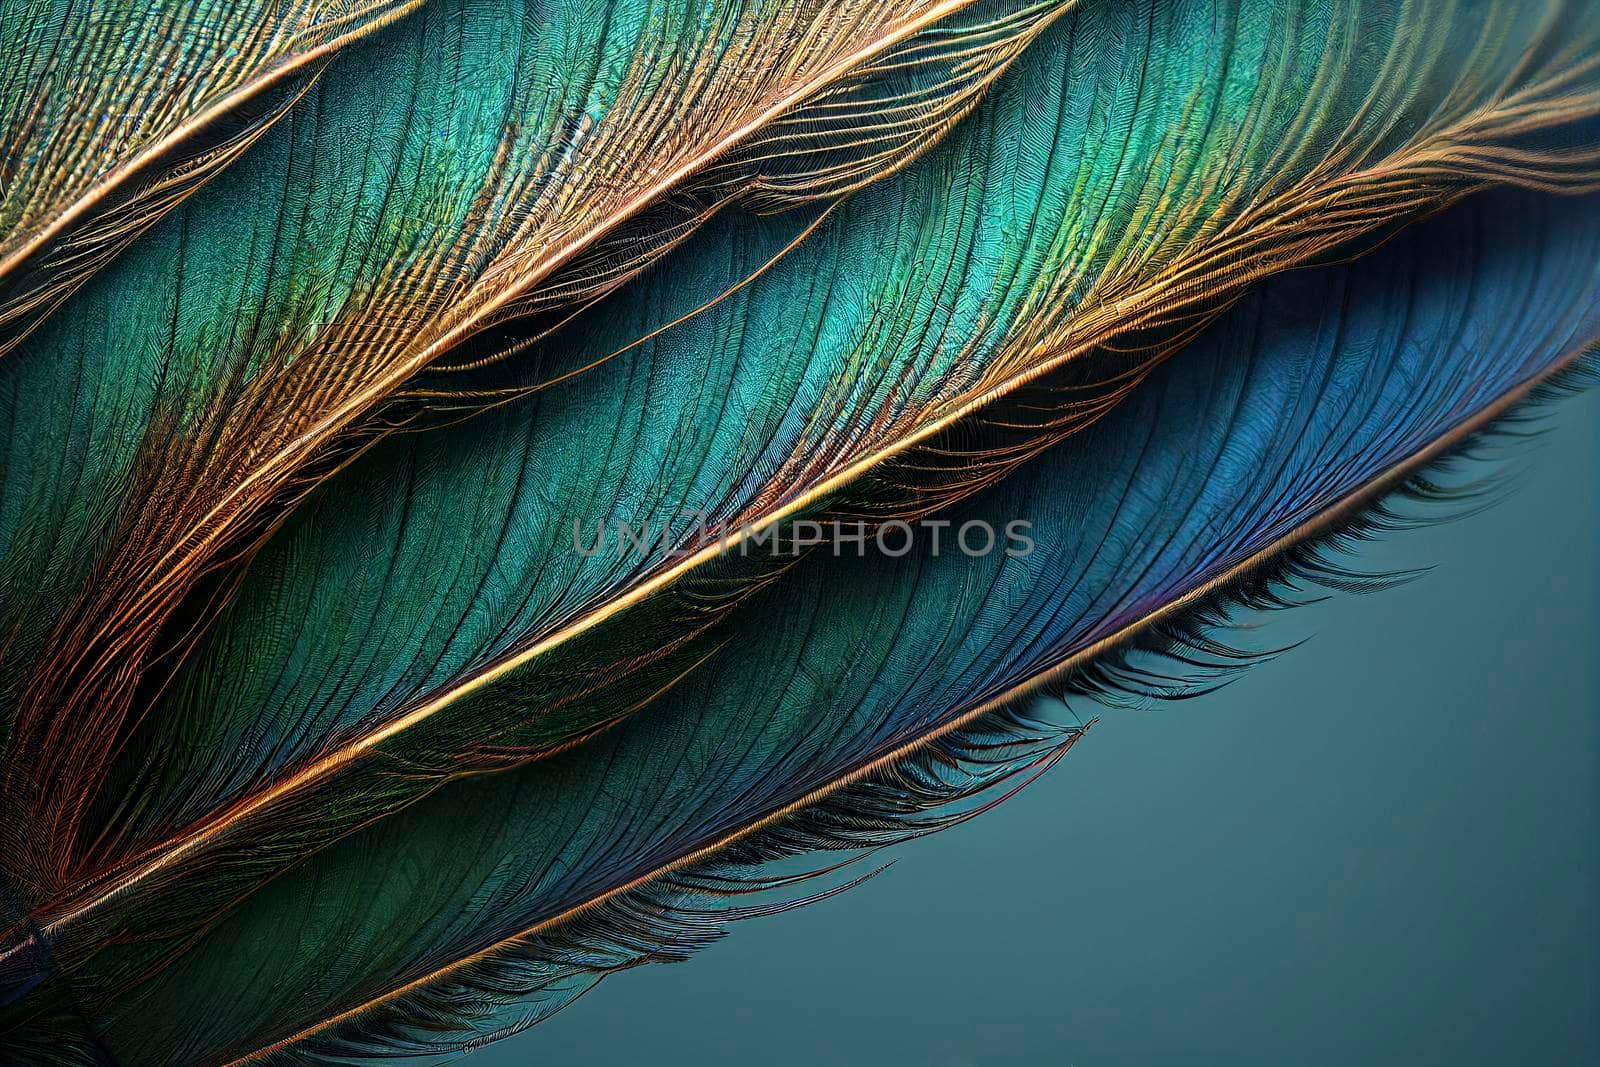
(758, 263)
(1318, 395)
(112, 113)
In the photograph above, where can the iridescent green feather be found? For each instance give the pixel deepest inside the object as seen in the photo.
(113, 112)
(221, 702)
(430, 612)
(497, 899)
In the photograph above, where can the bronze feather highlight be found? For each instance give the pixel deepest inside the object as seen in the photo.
(113, 114)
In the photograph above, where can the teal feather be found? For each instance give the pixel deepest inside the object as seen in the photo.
(456, 631)
(239, 343)
(1320, 394)
(213, 692)
(466, 159)
(113, 113)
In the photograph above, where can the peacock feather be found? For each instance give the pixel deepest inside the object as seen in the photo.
(339, 338)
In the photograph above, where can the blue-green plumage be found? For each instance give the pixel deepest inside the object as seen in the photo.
(1324, 391)
(297, 648)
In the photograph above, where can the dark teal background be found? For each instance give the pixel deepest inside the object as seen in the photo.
(1383, 848)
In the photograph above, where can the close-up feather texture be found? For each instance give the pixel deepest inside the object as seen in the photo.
(331, 334)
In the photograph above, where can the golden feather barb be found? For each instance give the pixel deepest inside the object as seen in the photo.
(111, 114)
